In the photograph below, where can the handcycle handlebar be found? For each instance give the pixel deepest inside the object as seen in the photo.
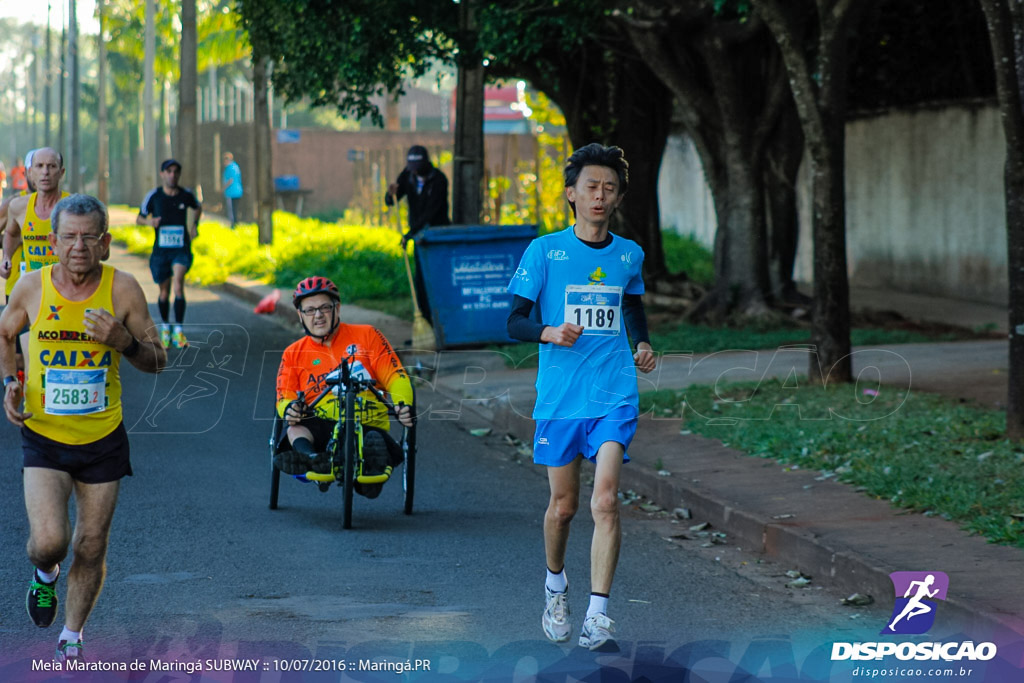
(348, 383)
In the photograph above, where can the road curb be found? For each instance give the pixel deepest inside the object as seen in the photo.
(830, 564)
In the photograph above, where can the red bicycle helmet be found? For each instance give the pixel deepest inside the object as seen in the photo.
(314, 285)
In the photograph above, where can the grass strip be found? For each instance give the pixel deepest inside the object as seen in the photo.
(921, 452)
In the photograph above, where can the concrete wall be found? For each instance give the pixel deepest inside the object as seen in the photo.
(924, 202)
(925, 205)
(684, 199)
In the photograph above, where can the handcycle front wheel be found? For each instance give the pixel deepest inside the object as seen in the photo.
(275, 474)
(349, 447)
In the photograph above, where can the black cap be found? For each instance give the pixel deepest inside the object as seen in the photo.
(416, 154)
(170, 162)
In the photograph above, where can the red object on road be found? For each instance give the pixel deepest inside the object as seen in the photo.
(268, 303)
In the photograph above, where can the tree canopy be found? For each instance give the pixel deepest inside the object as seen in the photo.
(341, 54)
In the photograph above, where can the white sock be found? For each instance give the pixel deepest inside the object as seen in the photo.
(557, 583)
(48, 577)
(70, 636)
(178, 330)
(598, 605)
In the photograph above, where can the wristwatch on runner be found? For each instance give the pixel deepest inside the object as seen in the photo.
(9, 379)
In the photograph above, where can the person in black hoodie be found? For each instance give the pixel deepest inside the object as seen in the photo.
(425, 188)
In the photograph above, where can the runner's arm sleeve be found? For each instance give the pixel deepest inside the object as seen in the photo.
(635, 318)
(519, 324)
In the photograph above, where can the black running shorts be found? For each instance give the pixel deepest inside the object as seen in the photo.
(98, 462)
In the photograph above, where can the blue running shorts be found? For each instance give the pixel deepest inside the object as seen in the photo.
(557, 442)
(161, 262)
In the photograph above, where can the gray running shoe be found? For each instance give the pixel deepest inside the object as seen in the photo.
(597, 633)
(555, 620)
(69, 651)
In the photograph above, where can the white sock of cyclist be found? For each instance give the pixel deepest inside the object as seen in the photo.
(598, 604)
(557, 582)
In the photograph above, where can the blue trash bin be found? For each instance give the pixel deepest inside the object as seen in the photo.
(467, 269)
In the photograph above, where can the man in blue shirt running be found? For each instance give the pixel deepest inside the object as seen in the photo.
(588, 285)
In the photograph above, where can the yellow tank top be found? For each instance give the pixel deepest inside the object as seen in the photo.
(35, 237)
(73, 388)
(16, 264)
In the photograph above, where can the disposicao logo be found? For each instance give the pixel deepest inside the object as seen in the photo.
(916, 602)
(917, 594)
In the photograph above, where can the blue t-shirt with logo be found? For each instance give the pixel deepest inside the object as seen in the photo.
(572, 282)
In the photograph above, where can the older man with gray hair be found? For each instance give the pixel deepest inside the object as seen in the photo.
(83, 317)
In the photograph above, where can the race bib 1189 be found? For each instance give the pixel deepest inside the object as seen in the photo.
(596, 308)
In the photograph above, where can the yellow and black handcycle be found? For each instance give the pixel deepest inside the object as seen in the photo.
(345, 447)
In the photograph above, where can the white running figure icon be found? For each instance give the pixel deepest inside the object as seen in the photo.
(915, 607)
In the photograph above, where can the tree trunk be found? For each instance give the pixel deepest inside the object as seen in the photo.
(48, 81)
(149, 174)
(73, 159)
(782, 164)
(830, 322)
(642, 124)
(730, 86)
(188, 121)
(103, 151)
(1006, 32)
(468, 162)
(818, 80)
(629, 107)
(261, 145)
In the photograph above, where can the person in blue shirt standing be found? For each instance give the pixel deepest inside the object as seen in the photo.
(232, 182)
(587, 282)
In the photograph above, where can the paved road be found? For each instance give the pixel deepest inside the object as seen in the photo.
(200, 568)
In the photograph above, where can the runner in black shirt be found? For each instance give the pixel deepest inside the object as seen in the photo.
(165, 209)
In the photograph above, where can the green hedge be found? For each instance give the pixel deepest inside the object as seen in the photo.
(365, 262)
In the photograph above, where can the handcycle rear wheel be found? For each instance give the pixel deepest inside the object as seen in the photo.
(409, 470)
(275, 474)
(349, 448)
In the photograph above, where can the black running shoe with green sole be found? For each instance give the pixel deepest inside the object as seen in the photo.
(41, 602)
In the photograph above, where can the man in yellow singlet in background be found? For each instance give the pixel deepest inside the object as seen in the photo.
(4, 211)
(83, 316)
(28, 217)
